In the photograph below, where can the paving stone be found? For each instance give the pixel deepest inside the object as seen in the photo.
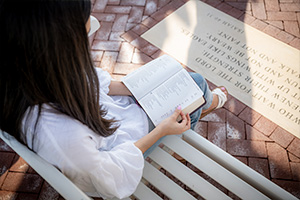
(235, 106)
(258, 10)
(260, 165)
(104, 17)
(246, 18)
(290, 7)
(294, 147)
(291, 186)
(285, 37)
(218, 115)
(3, 176)
(149, 22)
(295, 43)
(113, 2)
(120, 23)
(21, 182)
(118, 9)
(19, 165)
(278, 24)
(99, 5)
(149, 49)
(281, 16)
(104, 31)
(235, 127)
(140, 29)
(265, 126)
(224, 7)
(130, 26)
(292, 27)
(106, 45)
(249, 115)
(217, 134)
(130, 36)
(278, 161)
(31, 171)
(246, 148)
(136, 15)
(272, 5)
(97, 55)
(166, 10)
(258, 24)
(109, 60)
(6, 159)
(295, 167)
(125, 68)
(116, 36)
(139, 42)
(4, 146)
(150, 7)
(140, 58)
(27, 196)
(272, 30)
(8, 195)
(213, 3)
(48, 192)
(158, 54)
(242, 159)
(293, 158)
(282, 137)
(126, 52)
(243, 6)
(133, 2)
(254, 134)
(201, 128)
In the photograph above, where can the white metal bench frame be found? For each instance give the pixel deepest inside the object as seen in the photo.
(207, 157)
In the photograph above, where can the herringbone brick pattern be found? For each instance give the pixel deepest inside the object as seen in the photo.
(118, 48)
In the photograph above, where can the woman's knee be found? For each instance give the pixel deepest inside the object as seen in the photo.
(199, 79)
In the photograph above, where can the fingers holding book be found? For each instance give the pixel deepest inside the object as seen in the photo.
(171, 126)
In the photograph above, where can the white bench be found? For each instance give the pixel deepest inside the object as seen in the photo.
(229, 172)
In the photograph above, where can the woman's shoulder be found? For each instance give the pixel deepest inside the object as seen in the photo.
(54, 125)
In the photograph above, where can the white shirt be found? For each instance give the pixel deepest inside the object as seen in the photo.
(101, 166)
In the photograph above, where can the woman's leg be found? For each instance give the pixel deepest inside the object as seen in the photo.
(208, 96)
(212, 100)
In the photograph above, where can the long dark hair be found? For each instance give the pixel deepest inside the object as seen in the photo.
(45, 58)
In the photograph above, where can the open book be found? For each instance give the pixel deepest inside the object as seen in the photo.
(162, 85)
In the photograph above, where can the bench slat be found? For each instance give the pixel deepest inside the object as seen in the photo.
(145, 193)
(53, 176)
(186, 175)
(213, 169)
(243, 171)
(164, 184)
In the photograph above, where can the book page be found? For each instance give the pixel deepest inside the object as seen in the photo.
(180, 89)
(151, 75)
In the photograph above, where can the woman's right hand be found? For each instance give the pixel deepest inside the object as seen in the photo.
(170, 126)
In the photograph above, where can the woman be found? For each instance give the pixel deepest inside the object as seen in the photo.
(68, 112)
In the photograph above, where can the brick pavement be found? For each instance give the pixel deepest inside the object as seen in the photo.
(118, 48)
